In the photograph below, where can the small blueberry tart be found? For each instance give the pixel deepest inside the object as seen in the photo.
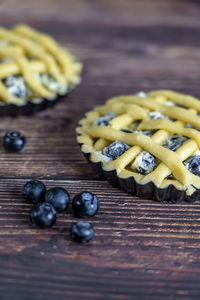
(147, 144)
(35, 71)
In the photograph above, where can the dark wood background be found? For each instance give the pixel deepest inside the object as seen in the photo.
(142, 249)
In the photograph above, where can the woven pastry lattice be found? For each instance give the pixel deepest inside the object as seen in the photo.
(163, 114)
(27, 52)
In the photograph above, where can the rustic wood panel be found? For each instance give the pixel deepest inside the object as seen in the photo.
(142, 249)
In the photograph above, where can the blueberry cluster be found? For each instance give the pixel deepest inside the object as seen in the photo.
(115, 150)
(56, 200)
(157, 115)
(104, 121)
(16, 86)
(144, 163)
(193, 164)
(174, 142)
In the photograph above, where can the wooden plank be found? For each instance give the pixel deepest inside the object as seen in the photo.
(138, 245)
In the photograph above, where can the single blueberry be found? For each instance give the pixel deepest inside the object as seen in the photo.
(59, 198)
(34, 191)
(115, 149)
(85, 204)
(14, 141)
(82, 232)
(43, 215)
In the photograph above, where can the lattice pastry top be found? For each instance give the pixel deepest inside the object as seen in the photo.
(151, 137)
(34, 66)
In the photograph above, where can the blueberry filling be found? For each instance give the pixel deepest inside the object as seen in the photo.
(189, 126)
(145, 132)
(134, 125)
(16, 86)
(115, 149)
(144, 163)
(103, 121)
(126, 130)
(174, 142)
(193, 164)
(157, 115)
(49, 82)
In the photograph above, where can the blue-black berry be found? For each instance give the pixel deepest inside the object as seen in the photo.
(174, 142)
(104, 121)
(193, 164)
(59, 198)
(82, 232)
(14, 141)
(85, 204)
(144, 163)
(115, 149)
(16, 86)
(34, 191)
(43, 215)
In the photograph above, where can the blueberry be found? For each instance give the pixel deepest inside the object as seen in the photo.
(103, 121)
(85, 204)
(59, 198)
(43, 215)
(126, 130)
(157, 115)
(82, 232)
(16, 86)
(174, 142)
(193, 164)
(14, 141)
(115, 149)
(34, 191)
(144, 162)
(145, 132)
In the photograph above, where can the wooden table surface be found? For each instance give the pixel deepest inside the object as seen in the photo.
(142, 249)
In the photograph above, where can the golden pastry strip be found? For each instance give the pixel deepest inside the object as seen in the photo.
(7, 69)
(62, 56)
(178, 98)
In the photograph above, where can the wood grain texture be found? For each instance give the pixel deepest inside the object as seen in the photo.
(142, 249)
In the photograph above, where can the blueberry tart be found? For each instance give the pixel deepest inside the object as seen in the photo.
(35, 71)
(147, 144)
